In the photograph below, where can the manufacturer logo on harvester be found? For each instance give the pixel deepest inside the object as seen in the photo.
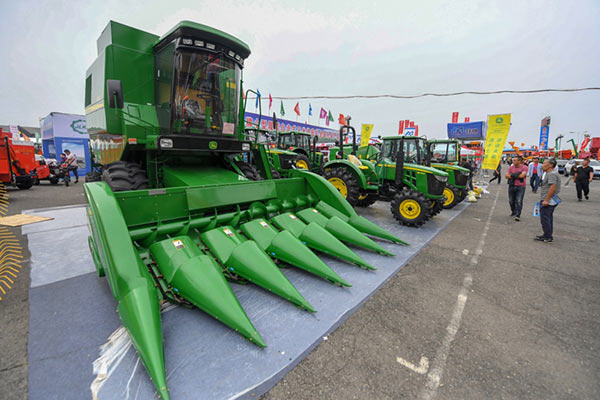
(499, 120)
(212, 145)
(79, 126)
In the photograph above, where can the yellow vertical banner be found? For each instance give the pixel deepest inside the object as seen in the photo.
(497, 133)
(365, 134)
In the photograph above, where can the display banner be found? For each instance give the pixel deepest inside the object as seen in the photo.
(544, 133)
(410, 131)
(365, 134)
(266, 122)
(64, 125)
(497, 133)
(466, 131)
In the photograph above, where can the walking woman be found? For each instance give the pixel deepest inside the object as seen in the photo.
(497, 173)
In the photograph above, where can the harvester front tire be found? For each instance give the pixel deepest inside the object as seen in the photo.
(302, 162)
(249, 171)
(345, 182)
(452, 197)
(365, 200)
(410, 208)
(125, 175)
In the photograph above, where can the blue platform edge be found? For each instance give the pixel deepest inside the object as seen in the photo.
(73, 313)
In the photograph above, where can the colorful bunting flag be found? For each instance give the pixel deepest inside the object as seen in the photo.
(323, 113)
(257, 98)
(297, 108)
(342, 119)
(309, 109)
(282, 111)
(270, 102)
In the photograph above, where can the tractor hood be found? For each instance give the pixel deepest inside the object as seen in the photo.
(422, 168)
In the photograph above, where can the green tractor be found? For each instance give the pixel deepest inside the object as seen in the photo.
(305, 148)
(393, 174)
(179, 213)
(444, 154)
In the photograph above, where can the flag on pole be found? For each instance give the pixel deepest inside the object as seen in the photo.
(323, 113)
(282, 111)
(257, 98)
(309, 109)
(297, 108)
(270, 102)
(342, 119)
(329, 118)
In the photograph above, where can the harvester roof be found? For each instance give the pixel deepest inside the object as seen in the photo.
(195, 30)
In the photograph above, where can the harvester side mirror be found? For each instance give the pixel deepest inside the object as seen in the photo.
(114, 91)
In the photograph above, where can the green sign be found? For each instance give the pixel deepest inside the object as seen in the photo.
(212, 145)
(79, 126)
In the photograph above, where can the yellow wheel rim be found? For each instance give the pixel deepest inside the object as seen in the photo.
(449, 196)
(410, 209)
(340, 185)
(362, 196)
(301, 164)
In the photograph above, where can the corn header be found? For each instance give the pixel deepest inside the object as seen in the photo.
(179, 214)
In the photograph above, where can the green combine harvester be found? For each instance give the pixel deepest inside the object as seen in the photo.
(415, 192)
(179, 214)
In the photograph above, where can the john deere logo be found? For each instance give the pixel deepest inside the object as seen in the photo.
(499, 120)
(212, 145)
(79, 126)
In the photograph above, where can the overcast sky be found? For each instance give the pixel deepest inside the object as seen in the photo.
(304, 48)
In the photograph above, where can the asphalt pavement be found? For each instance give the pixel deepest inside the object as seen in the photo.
(482, 311)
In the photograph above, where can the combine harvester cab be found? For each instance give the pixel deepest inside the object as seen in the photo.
(178, 213)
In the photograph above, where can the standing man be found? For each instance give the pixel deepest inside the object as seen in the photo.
(548, 199)
(72, 164)
(583, 176)
(534, 172)
(516, 175)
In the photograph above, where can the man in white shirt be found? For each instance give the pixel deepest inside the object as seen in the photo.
(72, 164)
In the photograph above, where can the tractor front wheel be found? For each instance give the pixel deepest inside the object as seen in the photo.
(462, 194)
(302, 162)
(410, 208)
(124, 175)
(345, 182)
(436, 207)
(366, 199)
(452, 195)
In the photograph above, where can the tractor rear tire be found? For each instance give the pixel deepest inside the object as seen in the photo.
(275, 174)
(462, 194)
(125, 175)
(410, 208)
(345, 182)
(452, 197)
(93, 176)
(302, 162)
(365, 200)
(249, 171)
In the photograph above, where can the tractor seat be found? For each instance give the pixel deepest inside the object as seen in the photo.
(354, 160)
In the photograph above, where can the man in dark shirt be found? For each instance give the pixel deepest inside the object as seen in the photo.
(583, 176)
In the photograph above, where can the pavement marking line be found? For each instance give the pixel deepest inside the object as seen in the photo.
(437, 367)
(439, 363)
(419, 369)
(479, 249)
